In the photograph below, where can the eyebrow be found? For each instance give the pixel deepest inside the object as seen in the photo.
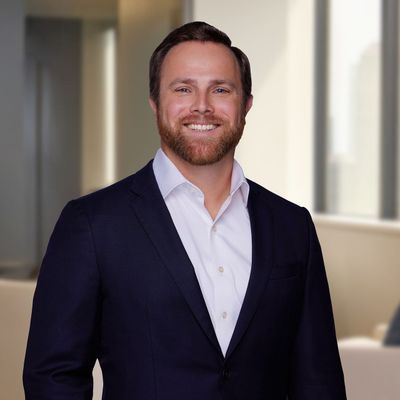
(188, 81)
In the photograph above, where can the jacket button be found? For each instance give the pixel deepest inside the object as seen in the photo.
(226, 374)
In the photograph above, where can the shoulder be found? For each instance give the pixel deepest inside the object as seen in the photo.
(286, 216)
(114, 198)
(290, 224)
(274, 201)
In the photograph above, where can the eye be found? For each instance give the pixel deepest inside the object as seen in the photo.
(182, 89)
(221, 90)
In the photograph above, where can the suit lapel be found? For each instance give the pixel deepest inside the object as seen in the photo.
(153, 214)
(262, 245)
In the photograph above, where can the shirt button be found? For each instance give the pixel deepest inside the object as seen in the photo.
(221, 269)
(224, 315)
(214, 228)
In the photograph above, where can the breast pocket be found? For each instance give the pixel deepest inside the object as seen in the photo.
(286, 271)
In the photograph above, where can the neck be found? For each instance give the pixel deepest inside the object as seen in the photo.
(213, 180)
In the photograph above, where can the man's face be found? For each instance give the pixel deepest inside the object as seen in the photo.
(200, 113)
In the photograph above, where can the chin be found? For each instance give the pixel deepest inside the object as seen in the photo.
(202, 154)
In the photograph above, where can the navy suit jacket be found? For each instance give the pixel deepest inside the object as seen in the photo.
(116, 284)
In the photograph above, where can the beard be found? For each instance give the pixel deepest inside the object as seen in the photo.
(205, 149)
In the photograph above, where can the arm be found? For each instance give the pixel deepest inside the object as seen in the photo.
(63, 335)
(316, 370)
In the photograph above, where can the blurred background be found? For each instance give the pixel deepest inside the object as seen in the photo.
(323, 132)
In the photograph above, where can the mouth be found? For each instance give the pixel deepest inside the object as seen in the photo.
(202, 127)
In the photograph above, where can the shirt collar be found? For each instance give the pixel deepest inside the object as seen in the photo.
(169, 177)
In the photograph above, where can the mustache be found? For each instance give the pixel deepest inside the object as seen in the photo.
(201, 120)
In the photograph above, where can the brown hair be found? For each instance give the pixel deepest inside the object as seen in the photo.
(197, 31)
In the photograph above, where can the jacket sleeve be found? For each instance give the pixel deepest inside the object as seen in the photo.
(63, 335)
(316, 372)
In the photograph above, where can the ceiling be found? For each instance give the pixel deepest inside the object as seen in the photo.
(87, 9)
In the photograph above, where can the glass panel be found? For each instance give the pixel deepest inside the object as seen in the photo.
(353, 153)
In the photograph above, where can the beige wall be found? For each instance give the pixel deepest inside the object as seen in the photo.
(94, 104)
(276, 149)
(142, 25)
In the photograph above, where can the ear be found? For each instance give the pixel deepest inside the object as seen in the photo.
(153, 105)
(249, 103)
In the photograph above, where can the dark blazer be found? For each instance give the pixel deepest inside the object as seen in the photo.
(116, 284)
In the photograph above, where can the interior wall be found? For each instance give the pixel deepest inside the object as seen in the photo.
(15, 246)
(92, 156)
(277, 36)
(142, 26)
(94, 105)
(261, 32)
(300, 103)
(57, 117)
(90, 9)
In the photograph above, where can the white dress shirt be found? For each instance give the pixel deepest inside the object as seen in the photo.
(220, 249)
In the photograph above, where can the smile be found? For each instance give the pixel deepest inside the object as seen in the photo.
(202, 127)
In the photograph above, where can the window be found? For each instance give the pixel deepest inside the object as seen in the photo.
(357, 146)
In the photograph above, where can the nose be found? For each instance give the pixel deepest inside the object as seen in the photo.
(201, 103)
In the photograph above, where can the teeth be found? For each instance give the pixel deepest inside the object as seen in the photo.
(199, 127)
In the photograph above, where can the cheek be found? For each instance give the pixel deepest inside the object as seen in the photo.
(232, 111)
(175, 110)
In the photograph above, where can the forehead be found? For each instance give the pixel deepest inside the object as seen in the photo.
(195, 60)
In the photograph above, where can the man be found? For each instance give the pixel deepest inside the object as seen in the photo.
(185, 280)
